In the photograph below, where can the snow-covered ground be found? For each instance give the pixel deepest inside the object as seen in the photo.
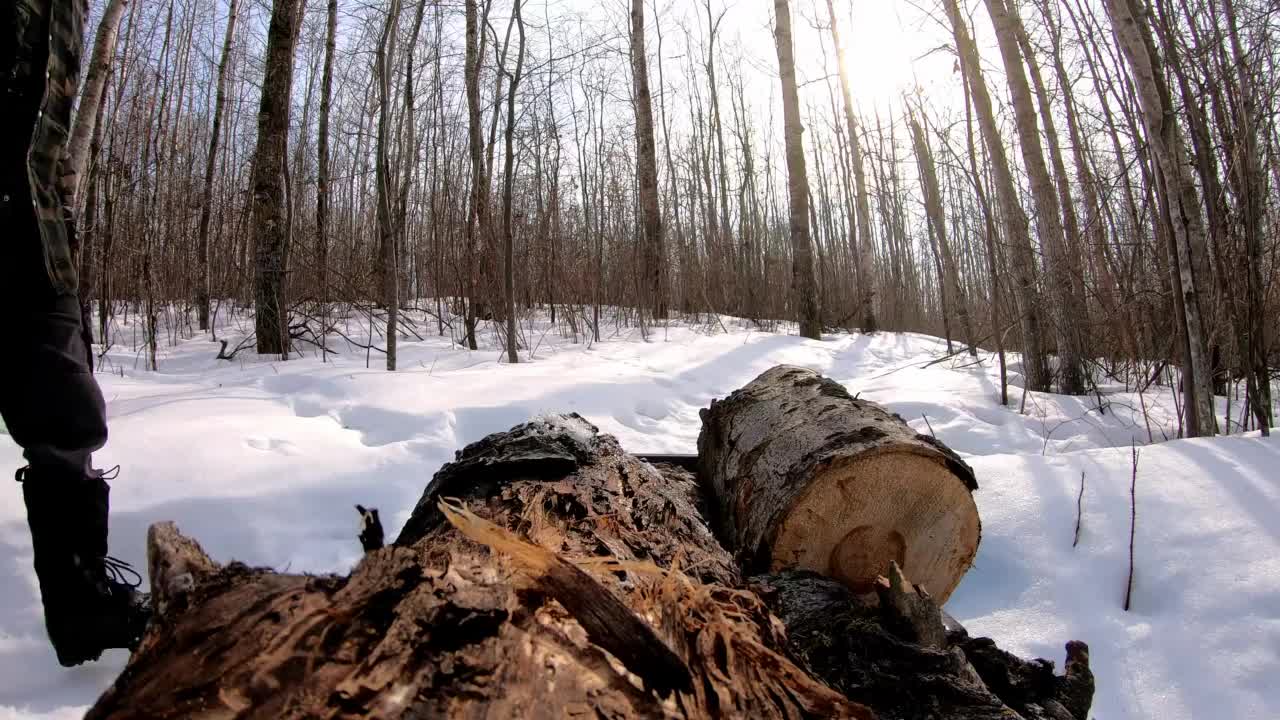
(262, 462)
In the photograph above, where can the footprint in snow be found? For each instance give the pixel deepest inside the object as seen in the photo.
(275, 445)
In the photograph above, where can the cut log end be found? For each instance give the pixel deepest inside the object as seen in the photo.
(806, 476)
(861, 514)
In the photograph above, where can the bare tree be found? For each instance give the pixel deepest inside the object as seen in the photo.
(508, 239)
(949, 276)
(1183, 204)
(647, 166)
(866, 277)
(1014, 217)
(1066, 308)
(211, 163)
(270, 234)
(322, 176)
(477, 215)
(383, 58)
(803, 287)
(95, 81)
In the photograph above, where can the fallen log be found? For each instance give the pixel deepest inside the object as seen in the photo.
(805, 476)
(577, 580)
(545, 573)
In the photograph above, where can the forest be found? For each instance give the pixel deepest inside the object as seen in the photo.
(1092, 185)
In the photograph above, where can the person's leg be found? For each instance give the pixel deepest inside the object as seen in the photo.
(49, 400)
(54, 410)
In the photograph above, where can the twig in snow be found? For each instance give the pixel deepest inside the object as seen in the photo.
(1079, 508)
(929, 424)
(1133, 521)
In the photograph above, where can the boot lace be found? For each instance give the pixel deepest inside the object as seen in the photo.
(121, 572)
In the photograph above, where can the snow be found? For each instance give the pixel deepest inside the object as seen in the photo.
(263, 461)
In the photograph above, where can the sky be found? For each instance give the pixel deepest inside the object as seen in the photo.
(891, 46)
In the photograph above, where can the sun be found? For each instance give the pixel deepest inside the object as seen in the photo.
(891, 49)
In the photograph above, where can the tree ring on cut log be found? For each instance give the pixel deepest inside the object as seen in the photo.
(865, 546)
(858, 514)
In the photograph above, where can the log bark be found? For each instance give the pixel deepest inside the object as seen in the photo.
(867, 652)
(806, 476)
(581, 580)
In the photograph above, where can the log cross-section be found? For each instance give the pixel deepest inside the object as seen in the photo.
(806, 476)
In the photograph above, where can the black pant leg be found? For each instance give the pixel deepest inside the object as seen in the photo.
(49, 398)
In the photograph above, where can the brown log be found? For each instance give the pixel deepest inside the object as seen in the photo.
(806, 476)
(565, 578)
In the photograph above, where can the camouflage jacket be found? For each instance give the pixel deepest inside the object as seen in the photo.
(40, 48)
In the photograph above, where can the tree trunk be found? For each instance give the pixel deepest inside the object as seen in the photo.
(852, 488)
(864, 246)
(647, 167)
(268, 182)
(211, 163)
(1168, 148)
(803, 288)
(1015, 218)
(1251, 180)
(322, 175)
(581, 581)
(95, 81)
(949, 282)
(1066, 308)
(508, 236)
(478, 212)
(390, 275)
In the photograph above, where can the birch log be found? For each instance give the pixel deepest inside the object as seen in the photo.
(805, 476)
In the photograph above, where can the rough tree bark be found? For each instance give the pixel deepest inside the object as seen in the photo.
(387, 241)
(647, 167)
(211, 164)
(270, 237)
(803, 287)
(806, 476)
(322, 174)
(898, 657)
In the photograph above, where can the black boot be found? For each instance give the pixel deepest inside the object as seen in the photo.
(91, 600)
